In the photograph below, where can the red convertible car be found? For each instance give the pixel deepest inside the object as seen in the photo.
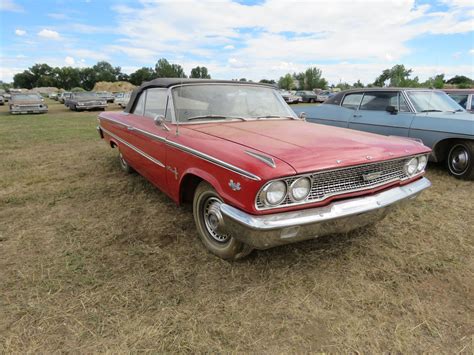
(257, 175)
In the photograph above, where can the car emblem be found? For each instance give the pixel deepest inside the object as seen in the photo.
(234, 185)
(371, 176)
(368, 157)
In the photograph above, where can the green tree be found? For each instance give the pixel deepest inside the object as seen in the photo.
(23, 80)
(313, 79)
(87, 78)
(397, 76)
(266, 81)
(358, 84)
(68, 77)
(200, 73)
(436, 82)
(164, 69)
(141, 75)
(104, 71)
(462, 82)
(343, 86)
(286, 82)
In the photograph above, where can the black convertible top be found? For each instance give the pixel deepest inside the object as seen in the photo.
(168, 82)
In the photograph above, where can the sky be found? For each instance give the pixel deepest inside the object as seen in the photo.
(348, 40)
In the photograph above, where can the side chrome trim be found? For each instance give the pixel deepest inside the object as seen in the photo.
(142, 153)
(263, 158)
(118, 123)
(186, 149)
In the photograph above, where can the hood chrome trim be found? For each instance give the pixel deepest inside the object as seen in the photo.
(263, 158)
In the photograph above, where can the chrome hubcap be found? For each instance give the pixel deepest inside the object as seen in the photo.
(459, 159)
(122, 161)
(213, 218)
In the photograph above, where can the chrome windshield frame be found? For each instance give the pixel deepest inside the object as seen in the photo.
(174, 120)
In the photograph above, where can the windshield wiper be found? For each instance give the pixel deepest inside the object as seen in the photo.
(275, 116)
(214, 117)
(431, 110)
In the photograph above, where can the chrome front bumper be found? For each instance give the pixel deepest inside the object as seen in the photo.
(266, 231)
(90, 107)
(28, 110)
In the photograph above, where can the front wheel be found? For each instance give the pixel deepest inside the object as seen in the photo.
(208, 218)
(461, 160)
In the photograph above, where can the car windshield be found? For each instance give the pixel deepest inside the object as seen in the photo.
(433, 101)
(86, 95)
(26, 97)
(227, 101)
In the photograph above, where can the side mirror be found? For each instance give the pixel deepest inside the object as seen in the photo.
(391, 109)
(160, 122)
(302, 115)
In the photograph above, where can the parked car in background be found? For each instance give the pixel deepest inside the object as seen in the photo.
(323, 96)
(27, 103)
(428, 115)
(81, 101)
(108, 96)
(53, 96)
(257, 175)
(289, 97)
(307, 96)
(122, 99)
(464, 97)
(6, 96)
(63, 96)
(2, 100)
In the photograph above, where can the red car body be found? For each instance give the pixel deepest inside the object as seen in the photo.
(230, 155)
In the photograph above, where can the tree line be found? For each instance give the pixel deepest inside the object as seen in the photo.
(43, 75)
(397, 76)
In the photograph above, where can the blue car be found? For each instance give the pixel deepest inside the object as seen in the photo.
(428, 115)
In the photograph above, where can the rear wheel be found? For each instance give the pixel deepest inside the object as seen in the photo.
(460, 160)
(208, 217)
(124, 165)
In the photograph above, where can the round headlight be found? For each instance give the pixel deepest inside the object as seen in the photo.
(422, 161)
(300, 189)
(411, 166)
(274, 193)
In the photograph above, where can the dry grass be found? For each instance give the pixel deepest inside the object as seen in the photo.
(92, 259)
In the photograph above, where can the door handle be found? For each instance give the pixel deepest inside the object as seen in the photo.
(357, 116)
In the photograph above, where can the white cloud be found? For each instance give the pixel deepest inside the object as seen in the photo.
(69, 61)
(471, 51)
(356, 30)
(58, 16)
(89, 54)
(10, 5)
(45, 33)
(19, 32)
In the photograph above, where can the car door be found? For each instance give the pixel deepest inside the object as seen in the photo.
(147, 137)
(373, 116)
(334, 114)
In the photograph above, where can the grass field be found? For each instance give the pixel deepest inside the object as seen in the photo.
(92, 259)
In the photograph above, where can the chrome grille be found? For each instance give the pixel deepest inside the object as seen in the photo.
(29, 107)
(346, 180)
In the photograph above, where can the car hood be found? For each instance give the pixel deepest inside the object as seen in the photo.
(27, 102)
(308, 147)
